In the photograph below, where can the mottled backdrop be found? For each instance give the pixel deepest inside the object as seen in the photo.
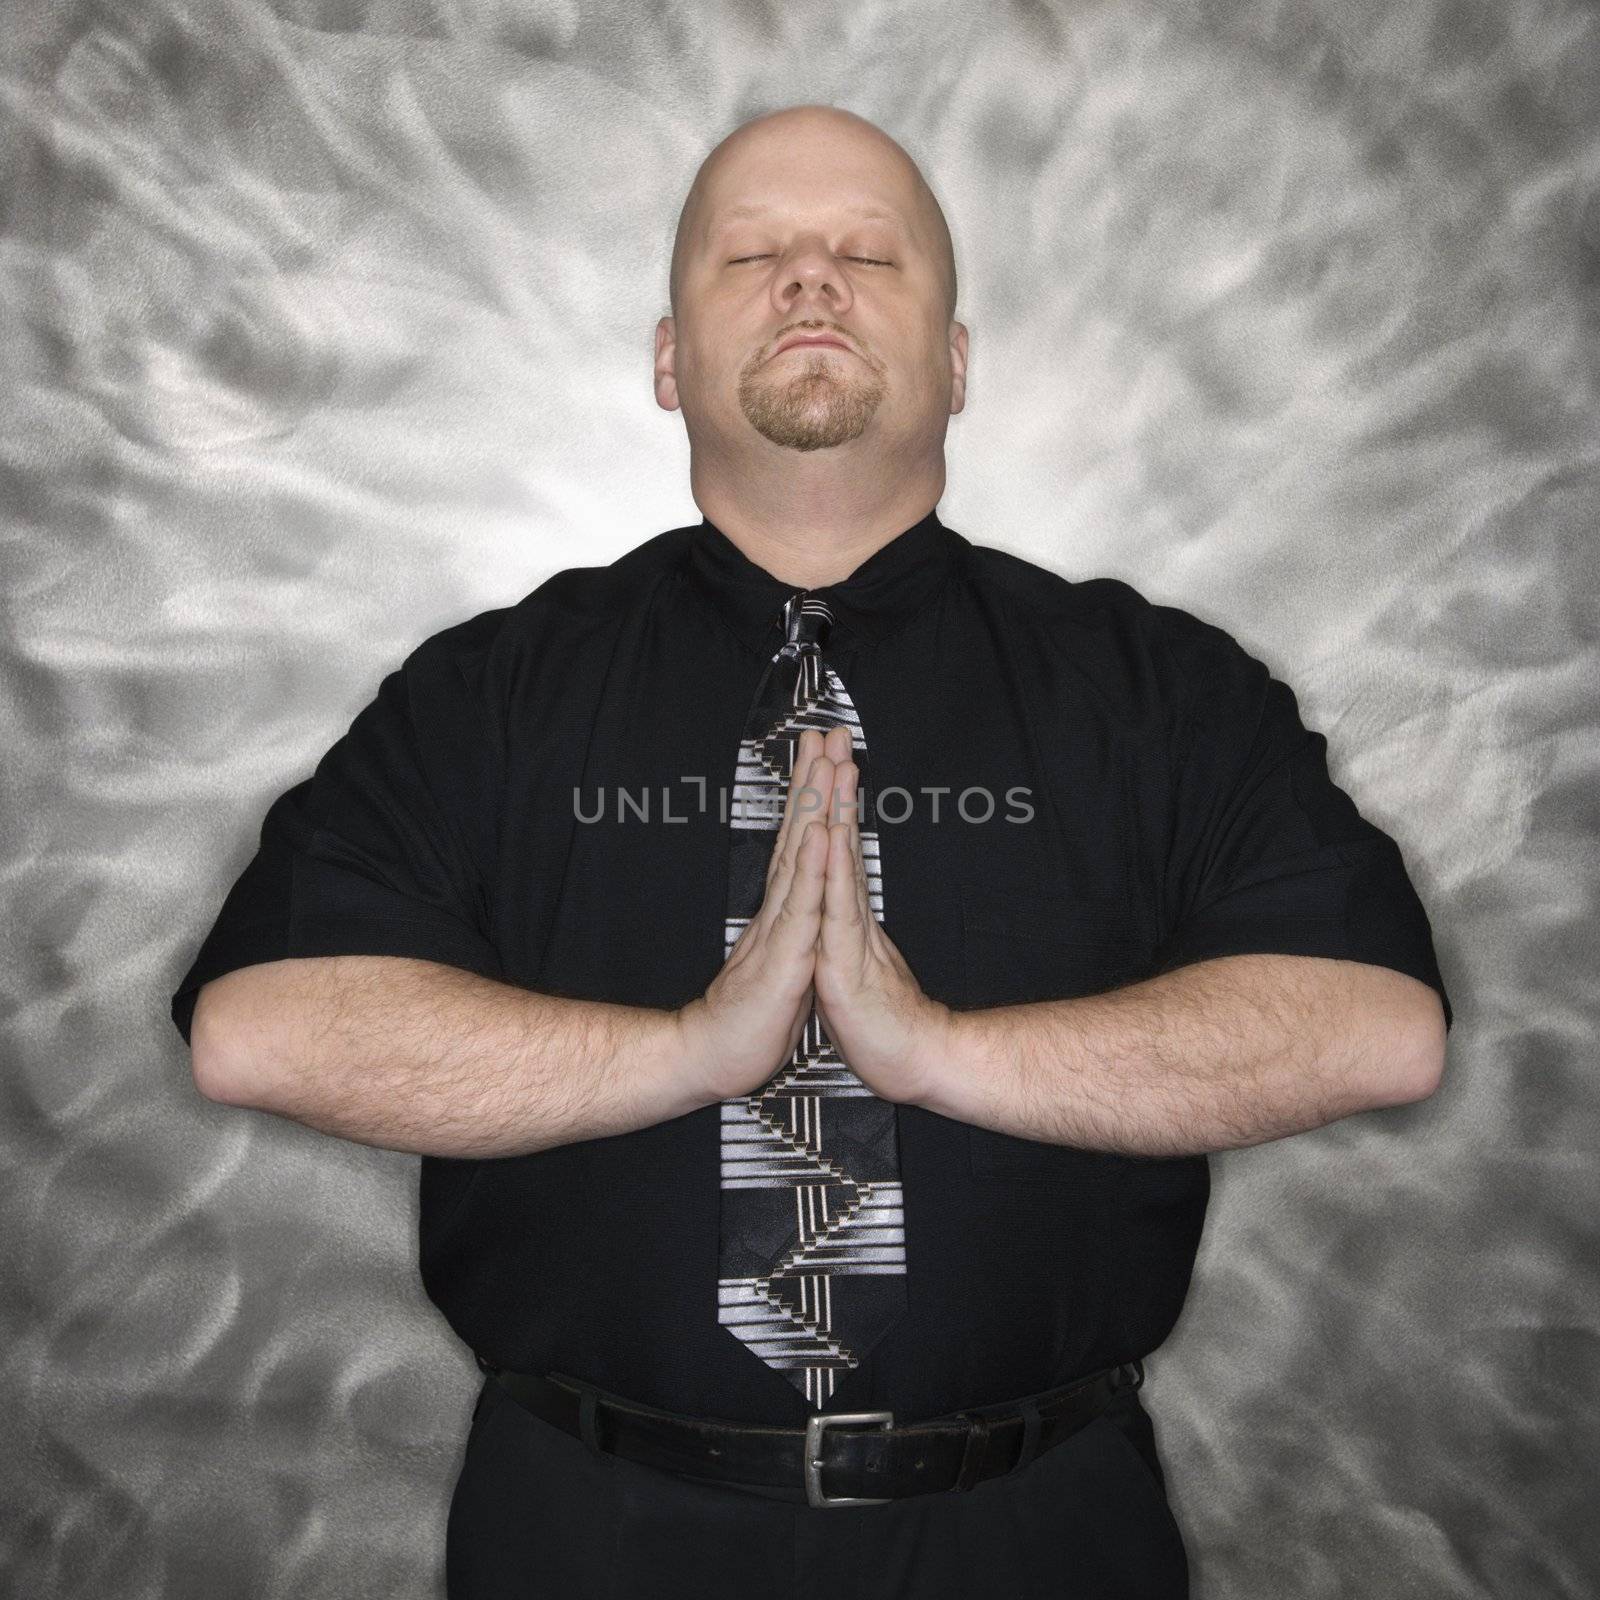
(329, 323)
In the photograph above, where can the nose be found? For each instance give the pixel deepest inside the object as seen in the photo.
(810, 273)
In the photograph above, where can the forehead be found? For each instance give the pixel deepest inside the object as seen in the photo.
(814, 173)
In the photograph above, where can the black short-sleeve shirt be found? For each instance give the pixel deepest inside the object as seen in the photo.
(1073, 789)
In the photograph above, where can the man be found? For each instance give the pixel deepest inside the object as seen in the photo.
(745, 1103)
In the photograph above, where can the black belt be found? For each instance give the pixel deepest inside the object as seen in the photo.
(867, 1459)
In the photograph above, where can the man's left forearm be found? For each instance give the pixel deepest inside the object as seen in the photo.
(1215, 1055)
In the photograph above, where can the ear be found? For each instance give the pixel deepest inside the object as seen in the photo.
(666, 380)
(958, 366)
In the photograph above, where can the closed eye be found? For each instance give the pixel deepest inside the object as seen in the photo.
(864, 260)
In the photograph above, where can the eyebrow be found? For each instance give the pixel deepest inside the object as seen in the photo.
(861, 214)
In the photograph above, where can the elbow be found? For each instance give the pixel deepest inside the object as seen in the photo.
(1404, 1056)
(1424, 1051)
(216, 1075)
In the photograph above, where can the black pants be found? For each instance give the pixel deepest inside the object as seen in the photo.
(536, 1513)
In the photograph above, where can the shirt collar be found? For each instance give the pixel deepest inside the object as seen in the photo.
(882, 594)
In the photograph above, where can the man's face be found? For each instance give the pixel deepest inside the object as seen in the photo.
(808, 227)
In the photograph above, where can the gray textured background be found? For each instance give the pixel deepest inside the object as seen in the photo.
(328, 324)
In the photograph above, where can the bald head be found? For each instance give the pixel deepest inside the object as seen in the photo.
(766, 144)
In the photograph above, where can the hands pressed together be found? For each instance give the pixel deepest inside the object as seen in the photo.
(815, 937)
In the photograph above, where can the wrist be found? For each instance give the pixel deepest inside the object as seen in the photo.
(939, 1058)
(685, 1055)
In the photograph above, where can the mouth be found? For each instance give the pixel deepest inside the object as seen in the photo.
(813, 342)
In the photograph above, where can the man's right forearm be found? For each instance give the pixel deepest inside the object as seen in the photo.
(411, 1055)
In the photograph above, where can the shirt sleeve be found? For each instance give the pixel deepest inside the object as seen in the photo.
(386, 848)
(1267, 854)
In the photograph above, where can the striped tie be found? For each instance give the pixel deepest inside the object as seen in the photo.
(812, 1256)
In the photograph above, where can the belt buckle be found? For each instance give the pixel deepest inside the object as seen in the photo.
(813, 1463)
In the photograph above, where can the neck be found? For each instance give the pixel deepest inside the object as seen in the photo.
(812, 533)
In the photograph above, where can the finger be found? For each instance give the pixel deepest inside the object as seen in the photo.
(810, 775)
(811, 801)
(795, 922)
(840, 929)
(812, 794)
(806, 750)
(848, 789)
(826, 793)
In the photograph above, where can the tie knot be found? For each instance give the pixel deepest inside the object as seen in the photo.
(806, 622)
